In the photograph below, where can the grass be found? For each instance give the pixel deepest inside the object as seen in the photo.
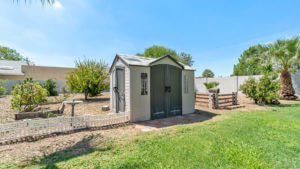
(253, 139)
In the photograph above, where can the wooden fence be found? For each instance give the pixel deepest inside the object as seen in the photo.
(215, 100)
(27, 128)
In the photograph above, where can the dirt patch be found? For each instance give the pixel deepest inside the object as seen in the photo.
(242, 100)
(88, 107)
(6, 114)
(72, 143)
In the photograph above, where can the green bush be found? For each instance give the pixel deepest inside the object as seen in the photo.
(89, 77)
(28, 80)
(211, 85)
(2, 88)
(26, 96)
(249, 88)
(265, 91)
(50, 86)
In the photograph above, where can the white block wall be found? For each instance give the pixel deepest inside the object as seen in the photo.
(232, 84)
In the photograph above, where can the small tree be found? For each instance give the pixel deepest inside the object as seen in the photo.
(10, 54)
(50, 86)
(208, 73)
(265, 91)
(28, 95)
(2, 88)
(89, 77)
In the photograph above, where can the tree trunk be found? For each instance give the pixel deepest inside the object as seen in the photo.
(287, 90)
(85, 95)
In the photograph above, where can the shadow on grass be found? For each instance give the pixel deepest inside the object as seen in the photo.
(198, 116)
(81, 148)
(286, 105)
(293, 103)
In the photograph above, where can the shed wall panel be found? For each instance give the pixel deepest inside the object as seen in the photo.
(188, 96)
(140, 104)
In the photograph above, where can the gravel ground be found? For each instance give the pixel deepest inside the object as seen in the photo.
(88, 107)
(6, 114)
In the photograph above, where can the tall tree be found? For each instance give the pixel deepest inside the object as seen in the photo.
(208, 73)
(10, 54)
(251, 61)
(158, 51)
(287, 55)
(186, 59)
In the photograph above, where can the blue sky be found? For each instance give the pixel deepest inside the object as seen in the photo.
(215, 33)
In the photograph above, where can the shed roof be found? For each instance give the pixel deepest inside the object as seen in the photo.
(145, 61)
(9, 67)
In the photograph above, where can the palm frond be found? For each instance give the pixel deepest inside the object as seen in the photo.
(286, 52)
(50, 2)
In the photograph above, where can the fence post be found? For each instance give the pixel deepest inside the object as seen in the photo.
(216, 101)
(234, 98)
(210, 100)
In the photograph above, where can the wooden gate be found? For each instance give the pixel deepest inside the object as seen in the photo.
(217, 101)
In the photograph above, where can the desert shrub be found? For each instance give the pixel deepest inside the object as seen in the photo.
(2, 88)
(50, 86)
(89, 77)
(28, 80)
(211, 85)
(265, 90)
(26, 96)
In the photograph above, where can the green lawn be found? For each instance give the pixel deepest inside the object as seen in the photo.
(254, 139)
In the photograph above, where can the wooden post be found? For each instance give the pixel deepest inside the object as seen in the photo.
(216, 100)
(234, 98)
(210, 100)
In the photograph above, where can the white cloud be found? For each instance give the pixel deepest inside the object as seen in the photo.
(57, 5)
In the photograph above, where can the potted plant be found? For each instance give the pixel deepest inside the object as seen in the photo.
(212, 87)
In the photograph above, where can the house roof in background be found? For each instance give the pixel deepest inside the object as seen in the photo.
(144, 61)
(9, 67)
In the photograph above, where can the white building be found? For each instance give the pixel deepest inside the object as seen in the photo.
(151, 88)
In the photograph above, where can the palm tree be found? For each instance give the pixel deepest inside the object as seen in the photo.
(42, 1)
(287, 55)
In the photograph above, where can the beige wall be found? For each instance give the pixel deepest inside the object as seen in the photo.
(41, 73)
(188, 99)
(140, 104)
(44, 72)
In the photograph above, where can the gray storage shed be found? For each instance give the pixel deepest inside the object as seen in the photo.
(151, 88)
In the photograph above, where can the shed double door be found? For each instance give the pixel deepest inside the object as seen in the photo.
(166, 96)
